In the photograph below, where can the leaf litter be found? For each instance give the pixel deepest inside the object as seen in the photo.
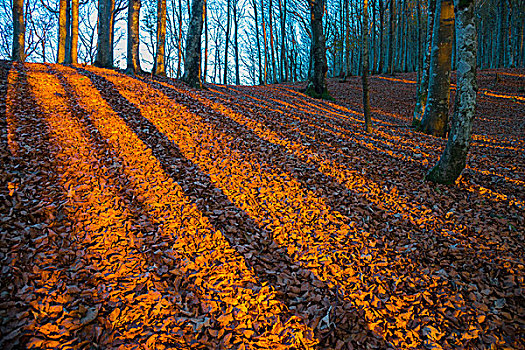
(138, 213)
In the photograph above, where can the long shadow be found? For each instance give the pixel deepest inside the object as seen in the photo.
(102, 149)
(31, 169)
(235, 223)
(5, 67)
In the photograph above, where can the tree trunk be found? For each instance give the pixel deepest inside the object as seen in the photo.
(205, 72)
(317, 82)
(227, 43)
(258, 41)
(272, 46)
(390, 61)
(453, 160)
(347, 39)
(500, 48)
(192, 68)
(236, 43)
(381, 36)
(263, 22)
(179, 42)
(160, 57)
(62, 31)
(103, 43)
(284, 63)
(19, 29)
(435, 118)
(74, 31)
(366, 97)
(422, 92)
(133, 57)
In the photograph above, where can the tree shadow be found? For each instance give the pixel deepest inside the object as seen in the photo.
(270, 262)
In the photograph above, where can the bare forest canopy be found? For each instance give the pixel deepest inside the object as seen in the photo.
(268, 41)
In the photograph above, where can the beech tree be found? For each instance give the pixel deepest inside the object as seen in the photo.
(133, 58)
(192, 68)
(104, 57)
(159, 65)
(317, 81)
(435, 118)
(18, 53)
(366, 97)
(453, 160)
(422, 89)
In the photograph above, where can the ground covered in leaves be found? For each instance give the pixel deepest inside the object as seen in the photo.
(135, 213)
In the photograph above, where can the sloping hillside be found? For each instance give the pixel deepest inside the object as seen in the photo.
(136, 213)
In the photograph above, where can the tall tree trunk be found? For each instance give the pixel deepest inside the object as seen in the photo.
(284, 62)
(454, 158)
(254, 4)
(179, 41)
(19, 30)
(112, 20)
(390, 61)
(133, 57)
(381, 36)
(236, 43)
(366, 97)
(62, 31)
(263, 22)
(435, 119)
(205, 72)
(74, 31)
(192, 68)
(227, 42)
(159, 67)
(103, 42)
(272, 46)
(348, 69)
(422, 91)
(500, 48)
(405, 34)
(317, 82)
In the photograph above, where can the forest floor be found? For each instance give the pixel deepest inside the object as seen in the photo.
(135, 213)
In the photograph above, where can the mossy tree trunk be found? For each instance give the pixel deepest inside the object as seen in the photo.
(453, 160)
(435, 118)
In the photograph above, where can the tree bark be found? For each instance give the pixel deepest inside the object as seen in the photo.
(227, 42)
(272, 46)
(103, 43)
(422, 92)
(192, 68)
(160, 57)
(317, 82)
(390, 61)
(381, 36)
(74, 31)
(62, 31)
(364, 77)
(19, 29)
(453, 160)
(500, 47)
(258, 41)
(435, 118)
(133, 58)
(236, 43)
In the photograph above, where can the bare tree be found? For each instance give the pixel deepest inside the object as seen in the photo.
(317, 82)
(133, 58)
(104, 58)
(159, 66)
(192, 68)
(435, 118)
(453, 160)
(18, 53)
(365, 60)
